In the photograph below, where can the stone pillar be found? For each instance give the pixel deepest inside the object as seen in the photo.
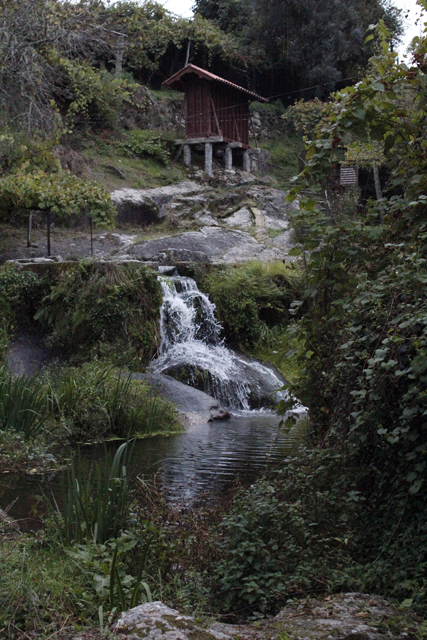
(246, 161)
(208, 158)
(187, 155)
(228, 158)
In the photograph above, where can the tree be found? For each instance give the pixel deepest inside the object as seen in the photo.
(305, 42)
(365, 312)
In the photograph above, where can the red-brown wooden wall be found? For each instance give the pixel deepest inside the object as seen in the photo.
(211, 106)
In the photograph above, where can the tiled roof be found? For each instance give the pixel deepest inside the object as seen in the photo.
(202, 73)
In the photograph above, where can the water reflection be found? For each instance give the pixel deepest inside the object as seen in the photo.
(205, 459)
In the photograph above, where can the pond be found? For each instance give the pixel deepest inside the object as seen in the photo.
(205, 459)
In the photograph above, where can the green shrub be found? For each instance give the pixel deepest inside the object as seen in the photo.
(19, 295)
(290, 536)
(95, 402)
(110, 311)
(142, 143)
(250, 297)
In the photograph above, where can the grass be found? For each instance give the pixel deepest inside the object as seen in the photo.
(37, 589)
(285, 152)
(93, 501)
(23, 406)
(95, 402)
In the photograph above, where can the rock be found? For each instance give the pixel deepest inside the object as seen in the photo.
(195, 406)
(134, 207)
(116, 171)
(155, 621)
(9, 528)
(337, 616)
(147, 206)
(209, 244)
(27, 355)
(241, 218)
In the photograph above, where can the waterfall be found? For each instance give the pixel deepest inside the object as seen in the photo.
(192, 351)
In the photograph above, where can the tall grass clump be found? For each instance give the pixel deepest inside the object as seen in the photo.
(23, 405)
(93, 500)
(96, 401)
(251, 297)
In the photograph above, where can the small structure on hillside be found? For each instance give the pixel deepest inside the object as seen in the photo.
(216, 116)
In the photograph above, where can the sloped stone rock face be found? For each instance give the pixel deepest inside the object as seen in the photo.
(155, 621)
(350, 616)
(147, 206)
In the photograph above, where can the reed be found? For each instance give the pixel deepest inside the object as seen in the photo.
(23, 406)
(93, 500)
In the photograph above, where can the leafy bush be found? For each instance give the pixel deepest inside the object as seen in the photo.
(305, 115)
(60, 193)
(290, 535)
(250, 297)
(95, 401)
(19, 294)
(140, 144)
(365, 321)
(108, 310)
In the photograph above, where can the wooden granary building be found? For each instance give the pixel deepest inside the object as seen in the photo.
(216, 116)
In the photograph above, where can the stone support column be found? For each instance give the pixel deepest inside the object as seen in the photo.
(187, 155)
(208, 158)
(246, 161)
(228, 158)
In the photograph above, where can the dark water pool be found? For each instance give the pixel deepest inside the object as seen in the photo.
(205, 459)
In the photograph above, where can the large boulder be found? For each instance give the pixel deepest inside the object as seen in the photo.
(209, 244)
(349, 616)
(147, 206)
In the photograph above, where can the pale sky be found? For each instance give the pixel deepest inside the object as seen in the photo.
(183, 8)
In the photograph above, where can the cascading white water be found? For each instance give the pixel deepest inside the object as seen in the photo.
(192, 350)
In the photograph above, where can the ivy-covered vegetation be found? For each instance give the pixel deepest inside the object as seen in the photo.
(109, 311)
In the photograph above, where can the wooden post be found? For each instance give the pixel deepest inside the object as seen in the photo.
(30, 229)
(48, 233)
(91, 238)
(377, 182)
(120, 54)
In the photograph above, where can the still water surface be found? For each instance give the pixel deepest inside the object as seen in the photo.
(204, 460)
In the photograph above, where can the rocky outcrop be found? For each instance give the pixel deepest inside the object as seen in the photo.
(147, 206)
(195, 406)
(350, 616)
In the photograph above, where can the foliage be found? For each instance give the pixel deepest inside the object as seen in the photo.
(95, 402)
(364, 324)
(95, 96)
(107, 310)
(305, 44)
(139, 144)
(19, 293)
(289, 535)
(23, 406)
(18, 149)
(59, 193)
(94, 499)
(113, 590)
(249, 297)
(304, 116)
(19, 455)
(36, 588)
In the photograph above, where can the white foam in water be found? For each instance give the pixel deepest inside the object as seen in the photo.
(190, 338)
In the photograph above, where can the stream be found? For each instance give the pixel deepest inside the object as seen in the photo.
(208, 456)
